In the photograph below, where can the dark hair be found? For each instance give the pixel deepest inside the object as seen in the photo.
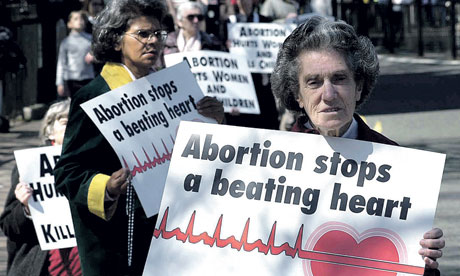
(319, 33)
(115, 19)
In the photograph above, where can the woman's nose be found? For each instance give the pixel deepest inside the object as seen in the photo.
(328, 92)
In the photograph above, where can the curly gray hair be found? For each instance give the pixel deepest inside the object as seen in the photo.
(319, 33)
(115, 19)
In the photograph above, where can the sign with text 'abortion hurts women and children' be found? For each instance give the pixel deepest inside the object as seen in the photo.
(241, 201)
(258, 42)
(140, 121)
(49, 208)
(222, 75)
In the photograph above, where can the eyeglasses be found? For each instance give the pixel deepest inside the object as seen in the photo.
(145, 36)
(190, 17)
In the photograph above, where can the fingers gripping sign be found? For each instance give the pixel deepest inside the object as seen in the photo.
(432, 243)
(23, 192)
(118, 182)
(212, 108)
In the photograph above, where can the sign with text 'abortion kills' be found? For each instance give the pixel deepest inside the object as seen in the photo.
(244, 201)
(221, 75)
(49, 208)
(140, 120)
(258, 42)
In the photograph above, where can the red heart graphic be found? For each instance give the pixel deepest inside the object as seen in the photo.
(339, 242)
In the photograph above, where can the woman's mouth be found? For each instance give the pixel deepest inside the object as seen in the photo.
(331, 109)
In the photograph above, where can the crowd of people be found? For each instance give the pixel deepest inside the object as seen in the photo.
(324, 72)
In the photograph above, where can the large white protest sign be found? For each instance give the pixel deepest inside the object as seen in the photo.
(222, 75)
(241, 201)
(258, 42)
(49, 208)
(140, 120)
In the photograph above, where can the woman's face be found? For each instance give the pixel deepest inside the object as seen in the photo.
(138, 53)
(58, 132)
(191, 20)
(327, 91)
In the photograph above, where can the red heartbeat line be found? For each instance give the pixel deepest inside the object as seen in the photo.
(271, 248)
(149, 164)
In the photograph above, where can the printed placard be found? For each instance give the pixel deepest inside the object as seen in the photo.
(140, 120)
(244, 201)
(222, 75)
(49, 208)
(258, 42)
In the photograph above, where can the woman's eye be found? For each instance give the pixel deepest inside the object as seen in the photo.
(339, 78)
(143, 34)
(313, 83)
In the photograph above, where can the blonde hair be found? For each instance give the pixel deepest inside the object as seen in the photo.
(55, 112)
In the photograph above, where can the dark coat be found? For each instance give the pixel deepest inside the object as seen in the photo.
(24, 254)
(365, 133)
(102, 244)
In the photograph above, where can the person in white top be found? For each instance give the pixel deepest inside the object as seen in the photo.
(74, 69)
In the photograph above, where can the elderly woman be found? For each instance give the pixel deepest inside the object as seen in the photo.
(25, 257)
(128, 38)
(324, 72)
(190, 16)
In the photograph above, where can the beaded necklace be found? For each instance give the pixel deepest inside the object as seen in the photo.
(130, 214)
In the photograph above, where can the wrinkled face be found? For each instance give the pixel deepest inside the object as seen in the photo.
(76, 22)
(139, 53)
(58, 131)
(327, 91)
(191, 20)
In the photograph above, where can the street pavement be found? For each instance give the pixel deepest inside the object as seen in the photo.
(416, 103)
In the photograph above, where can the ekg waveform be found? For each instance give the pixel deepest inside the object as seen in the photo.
(150, 162)
(271, 248)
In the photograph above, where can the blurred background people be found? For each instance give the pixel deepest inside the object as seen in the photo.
(280, 10)
(190, 36)
(25, 257)
(92, 8)
(268, 117)
(74, 68)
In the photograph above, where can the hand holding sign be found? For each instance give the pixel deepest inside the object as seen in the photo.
(432, 243)
(212, 108)
(23, 192)
(118, 182)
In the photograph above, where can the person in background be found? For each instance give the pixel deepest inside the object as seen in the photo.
(92, 8)
(129, 38)
(74, 68)
(280, 10)
(268, 117)
(190, 37)
(324, 72)
(25, 257)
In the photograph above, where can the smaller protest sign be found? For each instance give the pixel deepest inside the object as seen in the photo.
(140, 120)
(49, 208)
(221, 75)
(258, 42)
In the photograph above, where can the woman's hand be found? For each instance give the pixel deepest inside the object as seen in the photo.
(432, 243)
(23, 192)
(212, 108)
(118, 182)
